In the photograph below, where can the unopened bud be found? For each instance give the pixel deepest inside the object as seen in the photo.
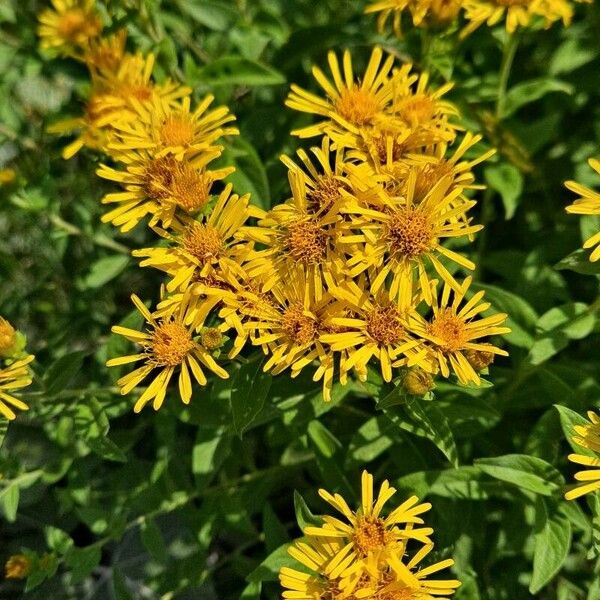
(18, 566)
(417, 382)
(211, 338)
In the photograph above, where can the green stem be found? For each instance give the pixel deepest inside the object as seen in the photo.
(487, 212)
(508, 57)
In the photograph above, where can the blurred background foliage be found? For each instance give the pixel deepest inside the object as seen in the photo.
(199, 502)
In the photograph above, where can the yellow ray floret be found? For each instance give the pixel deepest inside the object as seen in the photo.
(587, 436)
(588, 203)
(69, 26)
(168, 345)
(435, 14)
(14, 377)
(454, 329)
(515, 13)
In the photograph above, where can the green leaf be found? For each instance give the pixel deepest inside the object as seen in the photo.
(120, 589)
(424, 419)
(214, 15)
(527, 472)
(82, 561)
(249, 390)
(304, 516)
(107, 449)
(235, 70)
(530, 91)
(274, 530)
(269, 569)
(57, 539)
(252, 591)
(326, 443)
(61, 371)
(507, 180)
(210, 450)
(556, 327)
(579, 261)
(571, 55)
(9, 500)
(152, 539)
(552, 544)
(3, 431)
(105, 269)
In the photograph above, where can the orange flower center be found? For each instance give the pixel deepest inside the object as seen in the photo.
(384, 325)
(8, 337)
(158, 177)
(450, 329)
(75, 22)
(306, 242)
(357, 105)
(370, 535)
(203, 242)
(171, 343)
(325, 193)
(211, 338)
(416, 110)
(176, 130)
(298, 326)
(409, 233)
(190, 188)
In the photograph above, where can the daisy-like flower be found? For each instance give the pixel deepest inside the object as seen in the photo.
(69, 26)
(104, 55)
(294, 233)
(588, 437)
(15, 376)
(163, 187)
(201, 250)
(369, 326)
(587, 204)
(289, 326)
(434, 14)
(516, 13)
(403, 237)
(169, 344)
(454, 330)
(368, 537)
(350, 104)
(161, 128)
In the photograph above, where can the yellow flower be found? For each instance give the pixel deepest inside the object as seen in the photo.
(349, 104)
(453, 330)
(69, 26)
(7, 176)
(8, 338)
(587, 204)
(403, 237)
(14, 377)
(588, 436)
(370, 326)
(162, 187)
(517, 13)
(288, 322)
(159, 128)
(436, 14)
(203, 249)
(169, 344)
(104, 55)
(18, 566)
(368, 537)
(112, 98)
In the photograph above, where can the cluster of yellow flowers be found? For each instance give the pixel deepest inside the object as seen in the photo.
(338, 276)
(14, 369)
(367, 555)
(588, 203)
(441, 14)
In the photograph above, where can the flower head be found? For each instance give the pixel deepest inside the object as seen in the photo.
(18, 566)
(69, 26)
(453, 330)
(169, 344)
